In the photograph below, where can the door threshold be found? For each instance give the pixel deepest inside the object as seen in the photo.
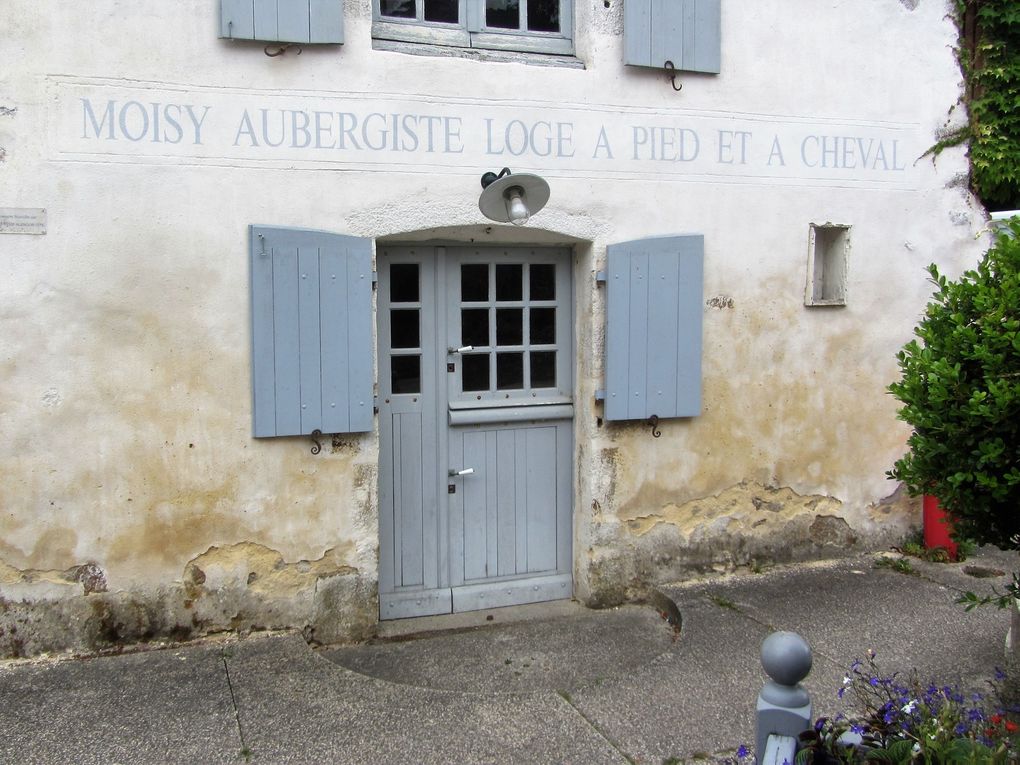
(464, 620)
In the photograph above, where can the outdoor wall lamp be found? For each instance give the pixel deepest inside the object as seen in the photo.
(514, 198)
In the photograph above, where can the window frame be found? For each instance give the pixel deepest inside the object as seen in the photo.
(472, 33)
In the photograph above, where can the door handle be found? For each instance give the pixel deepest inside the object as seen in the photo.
(465, 471)
(462, 349)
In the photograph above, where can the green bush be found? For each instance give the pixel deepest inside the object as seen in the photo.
(960, 390)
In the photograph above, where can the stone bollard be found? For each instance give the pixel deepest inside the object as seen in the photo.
(784, 706)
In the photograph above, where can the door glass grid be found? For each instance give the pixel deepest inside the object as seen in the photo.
(405, 328)
(508, 327)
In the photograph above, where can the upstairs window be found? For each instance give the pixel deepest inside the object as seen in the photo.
(532, 26)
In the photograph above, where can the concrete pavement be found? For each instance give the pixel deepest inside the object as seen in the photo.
(566, 686)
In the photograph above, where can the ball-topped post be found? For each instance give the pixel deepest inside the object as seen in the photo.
(784, 706)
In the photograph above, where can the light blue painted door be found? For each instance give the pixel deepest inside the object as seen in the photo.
(476, 379)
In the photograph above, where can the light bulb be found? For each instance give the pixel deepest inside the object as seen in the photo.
(516, 209)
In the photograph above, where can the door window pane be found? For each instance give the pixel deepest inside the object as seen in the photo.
(401, 9)
(405, 374)
(404, 283)
(474, 282)
(441, 10)
(543, 369)
(509, 281)
(475, 371)
(543, 326)
(544, 15)
(542, 281)
(404, 331)
(509, 371)
(505, 14)
(509, 326)
(474, 326)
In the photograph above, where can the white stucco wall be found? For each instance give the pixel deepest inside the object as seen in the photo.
(124, 345)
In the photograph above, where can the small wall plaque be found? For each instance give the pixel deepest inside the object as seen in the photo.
(22, 220)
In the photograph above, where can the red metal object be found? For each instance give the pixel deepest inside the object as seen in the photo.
(936, 527)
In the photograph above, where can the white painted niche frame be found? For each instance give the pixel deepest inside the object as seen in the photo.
(828, 263)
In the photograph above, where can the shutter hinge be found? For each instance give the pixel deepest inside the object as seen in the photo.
(601, 277)
(600, 395)
(375, 278)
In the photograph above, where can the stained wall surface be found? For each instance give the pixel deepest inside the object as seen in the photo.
(134, 502)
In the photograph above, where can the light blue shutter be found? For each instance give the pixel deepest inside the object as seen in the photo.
(686, 32)
(291, 21)
(653, 328)
(311, 300)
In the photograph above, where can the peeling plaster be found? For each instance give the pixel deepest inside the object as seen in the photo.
(241, 587)
(746, 508)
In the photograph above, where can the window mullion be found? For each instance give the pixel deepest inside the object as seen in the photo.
(522, 16)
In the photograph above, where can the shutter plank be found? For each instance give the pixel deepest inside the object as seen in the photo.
(286, 341)
(309, 323)
(336, 412)
(292, 20)
(667, 32)
(617, 333)
(703, 47)
(326, 21)
(637, 28)
(237, 19)
(266, 24)
(359, 332)
(262, 349)
(690, 315)
(638, 338)
(663, 308)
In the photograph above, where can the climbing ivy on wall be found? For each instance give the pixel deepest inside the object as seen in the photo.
(990, 57)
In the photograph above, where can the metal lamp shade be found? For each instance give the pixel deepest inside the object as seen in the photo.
(534, 192)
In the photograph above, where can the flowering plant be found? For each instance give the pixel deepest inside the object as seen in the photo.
(897, 721)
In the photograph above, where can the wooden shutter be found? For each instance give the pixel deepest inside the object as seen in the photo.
(311, 320)
(686, 32)
(653, 328)
(292, 21)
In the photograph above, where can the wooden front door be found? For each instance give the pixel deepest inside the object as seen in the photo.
(476, 431)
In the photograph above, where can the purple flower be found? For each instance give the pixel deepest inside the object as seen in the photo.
(873, 682)
(742, 751)
(858, 729)
(960, 729)
(999, 674)
(840, 692)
